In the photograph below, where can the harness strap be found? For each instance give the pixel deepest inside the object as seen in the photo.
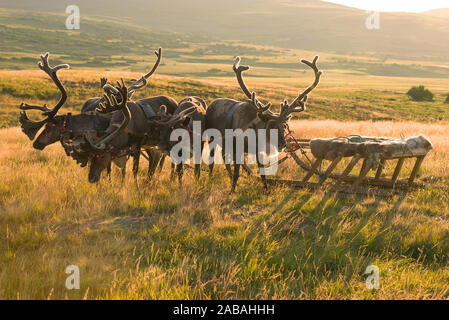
(115, 153)
(70, 121)
(230, 114)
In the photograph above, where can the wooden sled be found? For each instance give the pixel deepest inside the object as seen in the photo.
(372, 152)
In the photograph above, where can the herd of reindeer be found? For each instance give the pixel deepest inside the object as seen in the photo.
(113, 128)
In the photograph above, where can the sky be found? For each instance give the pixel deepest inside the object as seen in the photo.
(394, 5)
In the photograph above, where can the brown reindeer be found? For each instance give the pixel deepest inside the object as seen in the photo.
(168, 123)
(231, 114)
(140, 132)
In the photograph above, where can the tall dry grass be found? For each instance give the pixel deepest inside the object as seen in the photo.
(197, 241)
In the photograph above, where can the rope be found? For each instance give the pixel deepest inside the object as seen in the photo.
(321, 174)
(290, 134)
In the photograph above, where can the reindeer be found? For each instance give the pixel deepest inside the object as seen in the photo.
(69, 129)
(91, 106)
(139, 133)
(169, 123)
(252, 113)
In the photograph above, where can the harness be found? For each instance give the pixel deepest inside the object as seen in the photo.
(297, 145)
(100, 123)
(66, 127)
(115, 153)
(190, 131)
(230, 114)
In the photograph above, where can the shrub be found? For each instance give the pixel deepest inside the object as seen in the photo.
(419, 93)
(447, 99)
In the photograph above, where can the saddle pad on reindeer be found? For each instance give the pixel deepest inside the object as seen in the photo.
(147, 109)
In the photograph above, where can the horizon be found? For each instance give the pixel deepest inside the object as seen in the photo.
(393, 6)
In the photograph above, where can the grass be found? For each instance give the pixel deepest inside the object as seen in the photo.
(356, 101)
(200, 242)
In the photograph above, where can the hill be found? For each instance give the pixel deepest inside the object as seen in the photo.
(106, 44)
(298, 24)
(441, 13)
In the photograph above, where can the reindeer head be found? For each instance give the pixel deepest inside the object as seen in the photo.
(167, 123)
(99, 149)
(53, 124)
(265, 119)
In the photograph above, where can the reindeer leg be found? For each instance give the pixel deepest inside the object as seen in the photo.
(198, 166)
(197, 172)
(227, 166)
(180, 171)
(136, 159)
(262, 176)
(161, 163)
(236, 177)
(109, 172)
(173, 171)
(154, 159)
(211, 166)
(123, 173)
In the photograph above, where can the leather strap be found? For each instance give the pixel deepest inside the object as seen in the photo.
(69, 121)
(231, 114)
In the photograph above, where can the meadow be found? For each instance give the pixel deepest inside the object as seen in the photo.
(197, 241)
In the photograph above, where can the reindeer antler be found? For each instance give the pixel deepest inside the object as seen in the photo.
(238, 70)
(138, 83)
(170, 121)
(103, 82)
(303, 96)
(259, 106)
(142, 82)
(110, 104)
(52, 72)
(29, 127)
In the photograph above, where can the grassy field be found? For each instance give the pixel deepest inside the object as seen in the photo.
(198, 241)
(339, 97)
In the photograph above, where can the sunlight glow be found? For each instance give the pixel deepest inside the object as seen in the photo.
(394, 5)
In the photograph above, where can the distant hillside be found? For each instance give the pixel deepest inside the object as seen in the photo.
(299, 24)
(107, 44)
(441, 13)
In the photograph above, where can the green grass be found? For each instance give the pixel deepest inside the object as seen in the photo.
(327, 103)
